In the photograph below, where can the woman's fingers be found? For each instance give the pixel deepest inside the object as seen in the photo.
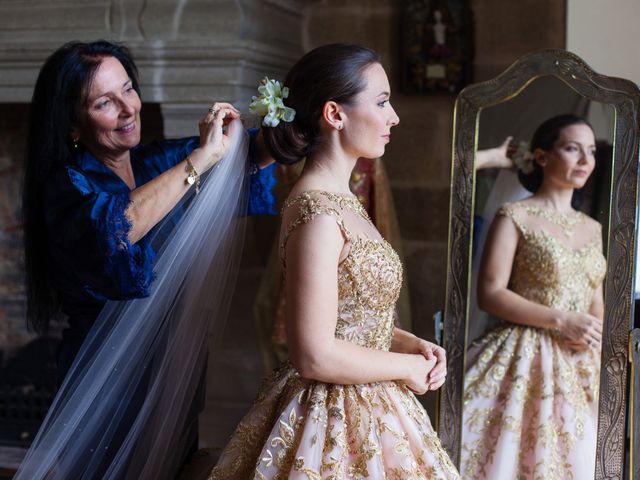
(440, 354)
(228, 111)
(506, 142)
(576, 346)
(215, 107)
(427, 352)
(217, 134)
(436, 384)
(219, 105)
(213, 139)
(437, 373)
(596, 324)
(437, 377)
(211, 125)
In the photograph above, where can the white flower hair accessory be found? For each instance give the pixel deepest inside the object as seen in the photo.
(523, 158)
(270, 105)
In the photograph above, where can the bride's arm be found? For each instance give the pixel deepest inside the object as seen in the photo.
(495, 298)
(312, 253)
(597, 304)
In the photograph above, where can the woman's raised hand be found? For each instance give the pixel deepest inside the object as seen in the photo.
(214, 141)
(497, 157)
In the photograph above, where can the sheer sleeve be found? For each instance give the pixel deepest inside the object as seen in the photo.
(509, 210)
(303, 209)
(88, 237)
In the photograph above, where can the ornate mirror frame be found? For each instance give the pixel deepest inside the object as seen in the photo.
(624, 97)
(634, 399)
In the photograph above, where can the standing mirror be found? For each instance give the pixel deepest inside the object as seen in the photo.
(634, 424)
(531, 392)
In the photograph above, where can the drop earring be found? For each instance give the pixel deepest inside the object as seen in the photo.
(75, 143)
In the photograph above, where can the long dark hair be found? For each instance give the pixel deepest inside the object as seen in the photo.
(545, 136)
(331, 72)
(61, 87)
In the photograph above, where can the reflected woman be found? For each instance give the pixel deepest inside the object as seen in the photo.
(531, 389)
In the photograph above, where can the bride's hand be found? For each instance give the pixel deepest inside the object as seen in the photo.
(214, 142)
(431, 351)
(581, 330)
(418, 370)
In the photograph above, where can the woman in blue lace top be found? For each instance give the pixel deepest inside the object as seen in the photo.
(94, 198)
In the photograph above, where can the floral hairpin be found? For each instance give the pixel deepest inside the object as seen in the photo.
(270, 105)
(523, 158)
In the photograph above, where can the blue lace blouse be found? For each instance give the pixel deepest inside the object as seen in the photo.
(91, 258)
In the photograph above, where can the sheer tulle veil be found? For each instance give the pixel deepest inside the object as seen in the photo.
(150, 352)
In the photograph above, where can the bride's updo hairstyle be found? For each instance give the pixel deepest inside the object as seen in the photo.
(545, 136)
(329, 73)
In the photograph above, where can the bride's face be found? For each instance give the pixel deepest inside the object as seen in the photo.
(572, 159)
(368, 121)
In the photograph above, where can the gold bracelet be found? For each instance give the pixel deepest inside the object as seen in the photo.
(192, 175)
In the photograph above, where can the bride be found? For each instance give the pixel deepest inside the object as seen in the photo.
(531, 389)
(344, 404)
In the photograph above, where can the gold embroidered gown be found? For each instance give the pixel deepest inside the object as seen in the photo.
(530, 403)
(302, 429)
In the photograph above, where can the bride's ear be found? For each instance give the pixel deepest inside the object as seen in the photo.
(333, 115)
(539, 157)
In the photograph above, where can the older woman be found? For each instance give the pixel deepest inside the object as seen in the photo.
(95, 201)
(93, 195)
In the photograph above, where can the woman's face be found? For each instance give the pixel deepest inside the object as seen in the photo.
(109, 118)
(572, 159)
(368, 121)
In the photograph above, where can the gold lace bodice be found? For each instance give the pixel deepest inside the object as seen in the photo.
(369, 278)
(548, 271)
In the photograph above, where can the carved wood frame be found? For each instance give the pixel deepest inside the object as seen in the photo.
(624, 97)
(634, 399)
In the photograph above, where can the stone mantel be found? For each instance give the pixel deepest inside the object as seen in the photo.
(189, 52)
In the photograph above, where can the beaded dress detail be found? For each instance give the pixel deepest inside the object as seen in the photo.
(530, 403)
(302, 429)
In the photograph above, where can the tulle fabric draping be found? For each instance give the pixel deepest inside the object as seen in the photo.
(122, 409)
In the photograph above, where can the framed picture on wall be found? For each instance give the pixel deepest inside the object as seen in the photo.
(436, 45)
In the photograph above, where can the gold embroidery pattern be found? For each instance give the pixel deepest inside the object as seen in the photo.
(312, 430)
(530, 403)
(566, 220)
(548, 272)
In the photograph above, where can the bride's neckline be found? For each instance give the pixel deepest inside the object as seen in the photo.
(351, 196)
(565, 220)
(549, 209)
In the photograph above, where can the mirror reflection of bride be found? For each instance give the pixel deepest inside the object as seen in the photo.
(532, 383)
